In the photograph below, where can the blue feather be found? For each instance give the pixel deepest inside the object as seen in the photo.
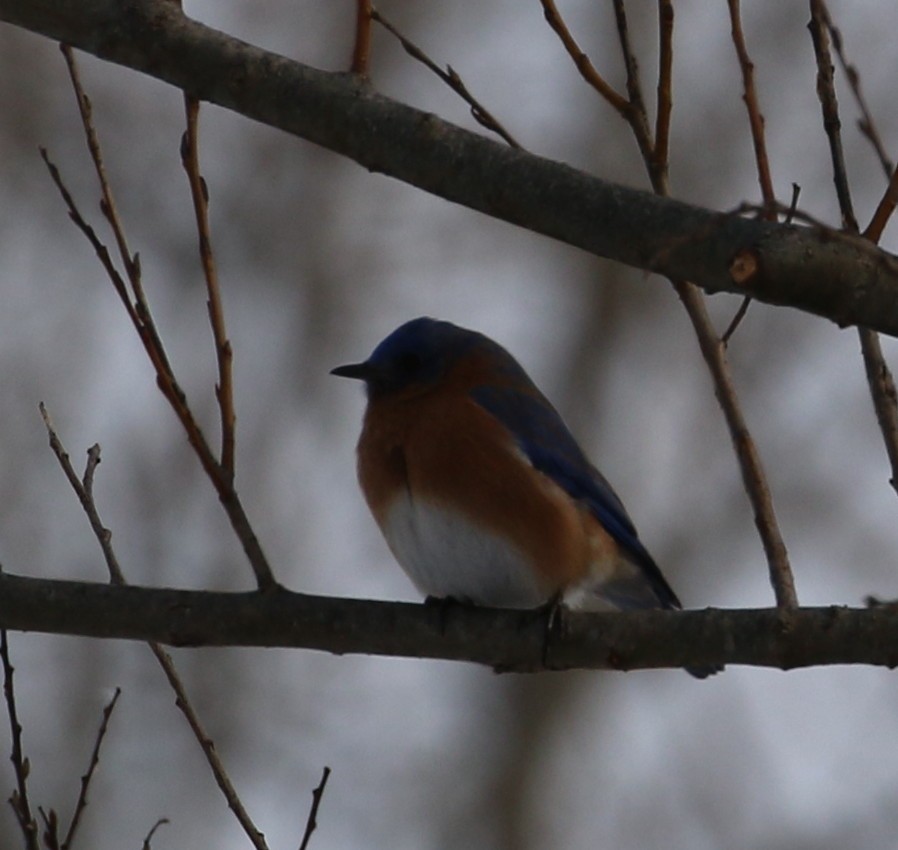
(548, 444)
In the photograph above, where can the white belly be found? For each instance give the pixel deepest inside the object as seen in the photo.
(445, 554)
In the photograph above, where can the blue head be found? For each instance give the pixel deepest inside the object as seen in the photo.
(418, 353)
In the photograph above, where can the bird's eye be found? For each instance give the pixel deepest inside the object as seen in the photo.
(409, 363)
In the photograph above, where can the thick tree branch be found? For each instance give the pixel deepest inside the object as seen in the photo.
(506, 640)
(839, 277)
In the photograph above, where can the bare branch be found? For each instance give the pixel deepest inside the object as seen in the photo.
(735, 322)
(832, 124)
(755, 118)
(661, 148)
(152, 832)
(794, 266)
(750, 465)
(884, 210)
(312, 820)
(866, 123)
(19, 801)
(81, 804)
(637, 116)
(879, 376)
(505, 640)
(107, 204)
(141, 317)
(361, 50)
(83, 489)
(581, 60)
(224, 390)
(481, 114)
(713, 348)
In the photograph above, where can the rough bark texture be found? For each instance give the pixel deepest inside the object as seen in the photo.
(506, 640)
(842, 278)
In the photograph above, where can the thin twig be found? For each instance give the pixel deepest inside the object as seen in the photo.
(879, 376)
(480, 113)
(222, 779)
(866, 123)
(712, 348)
(84, 492)
(51, 828)
(638, 117)
(141, 317)
(735, 321)
(884, 396)
(756, 123)
(754, 477)
(884, 210)
(19, 801)
(81, 804)
(791, 212)
(661, 148)
(361, 50)
(581, 60)
(224, 390)
(107, 204)
(755, 118)
(832, 124)
(312, 819)
(152, 832)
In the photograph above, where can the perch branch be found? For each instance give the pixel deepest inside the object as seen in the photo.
(504, 640)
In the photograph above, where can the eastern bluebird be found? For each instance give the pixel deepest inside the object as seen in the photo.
(480, 490)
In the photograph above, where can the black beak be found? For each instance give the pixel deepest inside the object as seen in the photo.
(359, 371)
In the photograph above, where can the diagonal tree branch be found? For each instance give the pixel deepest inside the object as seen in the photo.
(836, 276)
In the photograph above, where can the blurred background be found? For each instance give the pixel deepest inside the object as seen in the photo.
(319, 260)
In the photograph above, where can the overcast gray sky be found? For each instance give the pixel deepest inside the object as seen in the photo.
(319, 260)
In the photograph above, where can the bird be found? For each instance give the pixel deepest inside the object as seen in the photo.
(480, 490)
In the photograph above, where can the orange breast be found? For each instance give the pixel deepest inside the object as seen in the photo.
(443, 448)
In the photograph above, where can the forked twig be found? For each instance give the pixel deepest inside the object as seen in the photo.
(582, 61)
(879, 376)
(866, 124)
(131, 293)
(182, 701)
(654, 153)
(451, 78)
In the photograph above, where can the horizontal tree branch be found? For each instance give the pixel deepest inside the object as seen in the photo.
(837, 276)
(524, 641)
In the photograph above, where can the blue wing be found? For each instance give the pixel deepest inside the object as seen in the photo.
(551, 448)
